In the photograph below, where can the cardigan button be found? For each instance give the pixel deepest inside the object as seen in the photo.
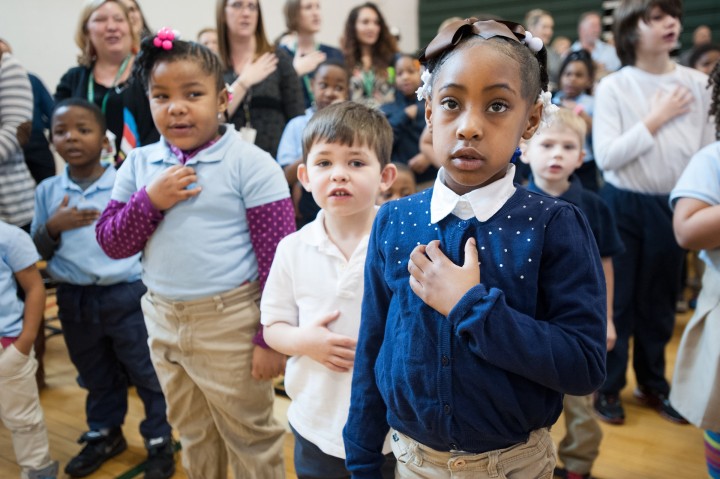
(447, 409)
(445, 360)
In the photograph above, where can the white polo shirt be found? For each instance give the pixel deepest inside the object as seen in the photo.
(311, 278)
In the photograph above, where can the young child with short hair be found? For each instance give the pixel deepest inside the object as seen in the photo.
(311, 305)
(207, 210)
(577, 77)
(555, 153)
(20, 322)
(98, 297)
(650, 118)
(476, 318)
(404, 185)
(406, 116)
(330, 84)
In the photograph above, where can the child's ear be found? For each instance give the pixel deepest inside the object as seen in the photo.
(105, 143)
(387, 176)
(523, 150)
(428, 114)
(581, 157)
(223, 100)
(533, 121)
(302, 174)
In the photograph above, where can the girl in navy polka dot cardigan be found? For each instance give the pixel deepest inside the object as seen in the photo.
(484, 303)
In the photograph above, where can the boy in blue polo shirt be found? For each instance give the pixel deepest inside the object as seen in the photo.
(19, 323)
(554, 153)
(98, 298)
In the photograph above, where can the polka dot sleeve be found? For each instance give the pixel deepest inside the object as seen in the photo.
(268, 224)
(124, 228)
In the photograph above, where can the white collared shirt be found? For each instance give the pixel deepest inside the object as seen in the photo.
(309, 279)
(481, 203)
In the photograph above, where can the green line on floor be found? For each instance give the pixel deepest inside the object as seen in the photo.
(135, 471)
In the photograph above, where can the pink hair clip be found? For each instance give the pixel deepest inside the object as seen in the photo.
(164, 38)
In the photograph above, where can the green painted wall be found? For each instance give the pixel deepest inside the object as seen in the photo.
(565, 13)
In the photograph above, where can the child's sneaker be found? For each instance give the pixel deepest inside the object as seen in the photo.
(562, 473)
(49, 472)
(160, 463)
(659, 402)
(100, 446)
(609, 408)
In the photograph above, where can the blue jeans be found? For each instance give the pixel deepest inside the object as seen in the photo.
(106, 337)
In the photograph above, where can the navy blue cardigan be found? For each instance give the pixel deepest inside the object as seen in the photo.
(496, 367)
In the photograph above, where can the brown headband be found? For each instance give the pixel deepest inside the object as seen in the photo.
(454, 32)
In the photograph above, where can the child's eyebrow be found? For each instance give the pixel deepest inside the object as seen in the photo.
(448, 86)
(503, 86)
(458, 86)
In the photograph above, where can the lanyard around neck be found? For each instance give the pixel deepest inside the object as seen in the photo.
(91, 84)
(368, 78)
(306, 77)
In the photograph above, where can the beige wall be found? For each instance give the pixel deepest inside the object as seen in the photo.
(41, 31)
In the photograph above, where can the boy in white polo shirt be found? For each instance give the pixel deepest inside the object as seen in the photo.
(312, 299)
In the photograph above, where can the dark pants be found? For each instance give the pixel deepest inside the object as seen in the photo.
(106, 337)
(646, 286)
(312, 463)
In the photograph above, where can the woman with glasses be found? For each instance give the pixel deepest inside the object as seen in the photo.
(264, 87)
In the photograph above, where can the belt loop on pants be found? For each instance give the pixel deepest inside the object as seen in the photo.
(219, 305)
(493, 458)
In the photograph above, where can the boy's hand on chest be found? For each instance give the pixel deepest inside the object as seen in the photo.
(438, 281)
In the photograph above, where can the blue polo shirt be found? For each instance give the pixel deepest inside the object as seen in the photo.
(17, 252)
(202, 246)
(79, 258)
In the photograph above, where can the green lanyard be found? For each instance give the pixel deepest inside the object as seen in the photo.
(368, 78)
(306, 77)
(91, 84)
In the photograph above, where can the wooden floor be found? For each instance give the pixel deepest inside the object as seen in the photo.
(646, 447)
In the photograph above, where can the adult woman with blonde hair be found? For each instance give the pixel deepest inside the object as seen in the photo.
(108, 45)
(264, 88)
(369, 50)
(302, 19)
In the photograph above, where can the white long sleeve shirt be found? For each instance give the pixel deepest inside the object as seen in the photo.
(629, 155)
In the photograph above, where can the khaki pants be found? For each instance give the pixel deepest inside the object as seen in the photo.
(534, 459)
(20, 410)
(581, 444)
(202, 352)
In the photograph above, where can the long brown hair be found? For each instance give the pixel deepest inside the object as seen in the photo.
(262, 45)
(384, 49)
